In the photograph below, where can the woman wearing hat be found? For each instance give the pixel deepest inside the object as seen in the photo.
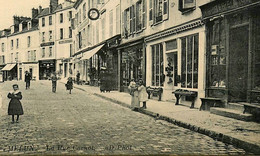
(15, 106)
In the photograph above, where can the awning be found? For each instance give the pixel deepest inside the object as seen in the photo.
(89, 54)
(8, 67)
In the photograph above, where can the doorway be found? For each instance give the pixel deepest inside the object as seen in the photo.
(238, 63)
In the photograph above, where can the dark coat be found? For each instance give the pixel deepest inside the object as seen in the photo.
(69, 85)
(15, 106)
(28, 77)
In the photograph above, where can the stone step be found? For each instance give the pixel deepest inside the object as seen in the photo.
(235, 114)
(236, 106)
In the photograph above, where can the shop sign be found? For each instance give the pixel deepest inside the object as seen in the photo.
(65, 41)
(223, 5)
(47, 44)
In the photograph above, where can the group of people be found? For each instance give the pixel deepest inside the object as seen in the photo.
(138, 93)
(15, 106)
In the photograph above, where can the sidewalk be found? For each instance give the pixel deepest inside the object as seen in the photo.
(242, 134)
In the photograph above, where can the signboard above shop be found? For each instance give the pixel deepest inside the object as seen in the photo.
(222, 6)
(47, 44)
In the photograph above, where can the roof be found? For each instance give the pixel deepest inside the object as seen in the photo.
(78, 2)
(45, 12)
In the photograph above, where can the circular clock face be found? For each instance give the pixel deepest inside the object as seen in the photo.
(93, 14)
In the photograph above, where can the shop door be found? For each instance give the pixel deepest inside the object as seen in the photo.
(65, 70)
(20, 73)
(238, 63)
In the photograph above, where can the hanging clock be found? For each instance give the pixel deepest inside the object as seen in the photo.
(93, 14)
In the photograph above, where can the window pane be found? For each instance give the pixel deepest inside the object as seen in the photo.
(161, 65)
(183, 64)
(189, 61)
(195, 62)
(153, 65)
(170, 45)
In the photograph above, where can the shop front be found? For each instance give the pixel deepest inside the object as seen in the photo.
(233, 50)
(46, 68)
(175, 62)
(9, 72)
(132, 63)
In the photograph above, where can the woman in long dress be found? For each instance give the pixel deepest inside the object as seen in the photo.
(135, 104)
(15, 106)
(142, 94)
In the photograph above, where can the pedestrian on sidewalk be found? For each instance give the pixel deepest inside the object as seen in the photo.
(27, 79)
(69, 84)
(54, 82)
(15, 106)
(78, 77)
(142, 94)
(135, 104)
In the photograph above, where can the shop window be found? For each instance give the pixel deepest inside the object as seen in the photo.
(187, 5)
(157, 65)
(171, 45)
(217, 55)
(189, 61)
(256, 67)
(158, 11)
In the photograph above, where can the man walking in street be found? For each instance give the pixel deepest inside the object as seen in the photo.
(27, 79)
(78, 77)
(54, 82)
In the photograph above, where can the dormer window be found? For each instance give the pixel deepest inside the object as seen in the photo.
(29, 25)
(187, 5)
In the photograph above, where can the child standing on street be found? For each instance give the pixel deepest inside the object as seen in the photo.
(142, 94)
(15, 106)
(69, 84)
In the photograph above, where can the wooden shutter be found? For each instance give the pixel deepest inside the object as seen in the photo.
(138, 27)
(131, 19)
(134, 18)
(165, 9)
(151, 12)
(144, 18)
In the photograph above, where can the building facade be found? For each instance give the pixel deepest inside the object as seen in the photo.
(232, 50)
(95, 42)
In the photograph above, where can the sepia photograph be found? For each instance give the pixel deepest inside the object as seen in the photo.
(130, 77)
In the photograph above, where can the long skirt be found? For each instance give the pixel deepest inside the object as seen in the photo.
(15, 107)
(135, 100)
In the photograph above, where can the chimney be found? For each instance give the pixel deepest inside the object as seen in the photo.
(34, 12)
(53, 5)
(40, 9)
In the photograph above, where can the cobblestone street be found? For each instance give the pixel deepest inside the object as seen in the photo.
(80, 123)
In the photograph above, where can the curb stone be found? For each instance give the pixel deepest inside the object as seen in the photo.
(247, 146)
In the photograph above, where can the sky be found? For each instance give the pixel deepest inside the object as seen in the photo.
(9, 8)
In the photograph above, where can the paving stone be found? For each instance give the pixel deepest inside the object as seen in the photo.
(90, 124)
